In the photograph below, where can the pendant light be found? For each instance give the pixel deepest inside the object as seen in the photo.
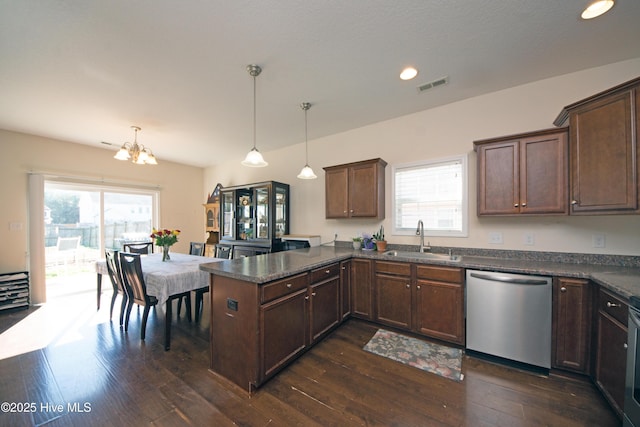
(254, 158)
(306, 172)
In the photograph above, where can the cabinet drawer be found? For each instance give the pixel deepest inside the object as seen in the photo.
(395, 268)
(442, 274)
(325, 272)
(613, 306)
(283, 287)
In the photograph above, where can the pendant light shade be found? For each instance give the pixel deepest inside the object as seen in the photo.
(254, 158)
(306, 172)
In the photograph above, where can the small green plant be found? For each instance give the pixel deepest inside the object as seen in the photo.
(357, 239)
(379, 236)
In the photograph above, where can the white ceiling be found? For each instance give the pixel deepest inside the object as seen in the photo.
(85, 71)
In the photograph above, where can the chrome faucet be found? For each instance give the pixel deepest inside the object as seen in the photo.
(420, 232)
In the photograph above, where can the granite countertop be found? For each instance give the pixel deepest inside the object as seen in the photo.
(624, 281)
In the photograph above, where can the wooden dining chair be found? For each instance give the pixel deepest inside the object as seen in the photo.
(138, 248)
(113, 269)
(196, 248)
(220, 252)
(136, 289)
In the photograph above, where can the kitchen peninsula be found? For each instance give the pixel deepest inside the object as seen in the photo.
(267, 310)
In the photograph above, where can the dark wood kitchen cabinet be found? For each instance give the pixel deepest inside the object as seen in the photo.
(440, 302)
(393, 291)
(572, 314)
(284, 320)
(611, 354)
(425, 299)
(345, 289)
(361, 295)
(355, 190)
(604, 151)
(523, 174)
(324, 300)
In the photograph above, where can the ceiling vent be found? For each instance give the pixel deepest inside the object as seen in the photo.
(433, 84)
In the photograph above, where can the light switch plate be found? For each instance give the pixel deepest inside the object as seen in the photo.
(528, 239)
(495, 238)
(598, 240)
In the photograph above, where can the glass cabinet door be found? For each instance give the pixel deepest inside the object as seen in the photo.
(244, 214)
(281, 211)
(228, 221)
(262, 213)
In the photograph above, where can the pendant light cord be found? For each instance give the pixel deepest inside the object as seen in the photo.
(254, 112)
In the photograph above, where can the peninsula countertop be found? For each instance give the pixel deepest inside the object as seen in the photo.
(260, 269)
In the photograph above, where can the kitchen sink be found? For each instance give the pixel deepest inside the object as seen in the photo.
(423, 255)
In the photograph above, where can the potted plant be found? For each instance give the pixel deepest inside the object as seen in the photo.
(368, 243)
(357, 243)
(381, 244)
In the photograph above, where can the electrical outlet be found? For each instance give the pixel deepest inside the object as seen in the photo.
(528, 239)
(495, 238)
(15, 226)
(598, 240)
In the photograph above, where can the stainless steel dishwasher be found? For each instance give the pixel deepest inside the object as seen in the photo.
(509, 316)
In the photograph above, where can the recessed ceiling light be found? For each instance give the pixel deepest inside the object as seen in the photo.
(597, 8)
(408, 73)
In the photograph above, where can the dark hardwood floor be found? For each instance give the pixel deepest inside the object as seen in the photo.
(91, 373)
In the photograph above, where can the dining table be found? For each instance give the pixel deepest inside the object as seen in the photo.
(166, 279)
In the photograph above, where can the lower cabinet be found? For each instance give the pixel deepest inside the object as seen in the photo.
(324, 301)
(428, 300)
(345, 289)
(572, 314)
(361, 295)
(440, 303)
(611, 354)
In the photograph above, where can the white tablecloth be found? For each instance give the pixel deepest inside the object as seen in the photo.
(163, 279)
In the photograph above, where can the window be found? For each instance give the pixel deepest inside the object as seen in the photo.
(434, 192)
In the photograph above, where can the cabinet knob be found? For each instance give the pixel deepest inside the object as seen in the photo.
(289, 285)
(344, 268)
(418, 287)
(515, 205)
(574, 202)
(344, 211)
(313, 294)
(612, 304)
(307, 297)
(407, 286)
(524, 205)
(327, 271)
(625, 346)
(563, 289)
(351, 210)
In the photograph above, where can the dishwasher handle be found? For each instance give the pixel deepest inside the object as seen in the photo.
(509, 279)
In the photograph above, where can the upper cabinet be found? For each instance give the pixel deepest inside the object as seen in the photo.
(604, 154)
(255, 214)
(523, 174)
(212, 220)
(355, 190)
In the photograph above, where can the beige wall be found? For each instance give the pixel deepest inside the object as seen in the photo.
(181, 188)
(441, 132)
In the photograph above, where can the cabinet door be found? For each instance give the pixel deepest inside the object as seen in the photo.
(611, 360)
(325, 307)
(228, 215)
(361, 281)
(571, 324)
(544, 174)
(363, 190)
(603, 155)
(440, 310)
(393, 300)
(498, 178)
(336, 193)
(283, 331)
(345, 289)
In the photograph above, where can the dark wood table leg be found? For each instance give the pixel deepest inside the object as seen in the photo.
(167, 325)
(99, 288)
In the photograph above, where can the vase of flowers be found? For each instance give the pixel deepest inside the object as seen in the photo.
(165, 239)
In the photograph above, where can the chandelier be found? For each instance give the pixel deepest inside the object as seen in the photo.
(139, 154)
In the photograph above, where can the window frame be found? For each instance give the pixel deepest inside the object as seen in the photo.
(464, 232)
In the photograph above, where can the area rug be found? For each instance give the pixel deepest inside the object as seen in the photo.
(433, 358)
